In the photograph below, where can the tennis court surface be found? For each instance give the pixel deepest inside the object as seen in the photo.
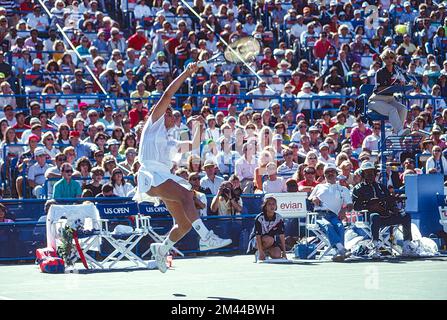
(236, 277)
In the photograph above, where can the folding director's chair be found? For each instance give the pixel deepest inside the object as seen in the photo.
(323, 247)
(361, 220)
(123, 242)
(89, 240)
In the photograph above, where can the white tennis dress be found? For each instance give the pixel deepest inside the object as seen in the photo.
(157, 151)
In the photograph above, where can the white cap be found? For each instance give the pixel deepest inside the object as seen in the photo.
(37, 61)
(278, 52)
(307, 85)
(323, 145)
(407, 3)
(277, 137)
(208, 163)
(39, 151)
(330, 166)
(367, 166)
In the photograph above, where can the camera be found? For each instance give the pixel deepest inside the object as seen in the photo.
(226, 192)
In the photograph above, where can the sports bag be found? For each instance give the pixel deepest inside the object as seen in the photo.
(49, 262)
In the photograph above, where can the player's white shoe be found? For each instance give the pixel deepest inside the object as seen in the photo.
(213, 242)
(160, 259)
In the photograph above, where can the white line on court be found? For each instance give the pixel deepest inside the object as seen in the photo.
(5, 298)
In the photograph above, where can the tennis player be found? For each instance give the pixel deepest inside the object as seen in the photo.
(156, 182)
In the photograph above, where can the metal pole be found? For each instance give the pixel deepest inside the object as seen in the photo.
(74, 49)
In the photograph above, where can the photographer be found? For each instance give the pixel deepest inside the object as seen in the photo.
(382, 207)
(226, 202)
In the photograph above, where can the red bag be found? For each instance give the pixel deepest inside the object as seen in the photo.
(49, 262)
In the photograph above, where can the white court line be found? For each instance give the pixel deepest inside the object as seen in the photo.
(5, 298)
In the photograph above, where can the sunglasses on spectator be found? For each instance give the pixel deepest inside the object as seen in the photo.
(312, 158)
(68, 171)
(309, 172)
(61, 159)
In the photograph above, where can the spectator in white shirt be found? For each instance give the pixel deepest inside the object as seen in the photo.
(142, 10)
(212, 132)
(59, 116)
(250, 25)
(210, 183)
(120, 187)
(324, 154)
(226, 158)
(371, 142)
(261, 103)
(305, 104)
(273, 184)
(36, 20)
(160, 68)
(298, 28)
(36, 173)
(288, 168)
(246, 165)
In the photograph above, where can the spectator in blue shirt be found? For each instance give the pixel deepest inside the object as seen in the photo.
(82, 149)
(67, 187)
(130, 84)
(33, 73)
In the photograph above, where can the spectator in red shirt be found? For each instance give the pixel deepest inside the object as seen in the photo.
(322, 46)
(222, 99)
(138, 113)
(20, 126)
(328, 123)
(27, 6)
(137, 40)
(296, 82)
(268, 58)
(309, 182)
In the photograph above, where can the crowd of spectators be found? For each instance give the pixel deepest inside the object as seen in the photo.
(269, 132)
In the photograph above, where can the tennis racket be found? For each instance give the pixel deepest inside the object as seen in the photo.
(243, 50)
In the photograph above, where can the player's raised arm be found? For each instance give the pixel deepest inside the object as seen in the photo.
(162, 105)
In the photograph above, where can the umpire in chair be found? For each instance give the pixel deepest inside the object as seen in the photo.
(382, 209)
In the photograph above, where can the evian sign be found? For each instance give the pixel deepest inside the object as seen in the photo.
(291, 205)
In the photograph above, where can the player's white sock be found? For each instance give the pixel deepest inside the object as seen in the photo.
(166, 246)
(200, 228)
